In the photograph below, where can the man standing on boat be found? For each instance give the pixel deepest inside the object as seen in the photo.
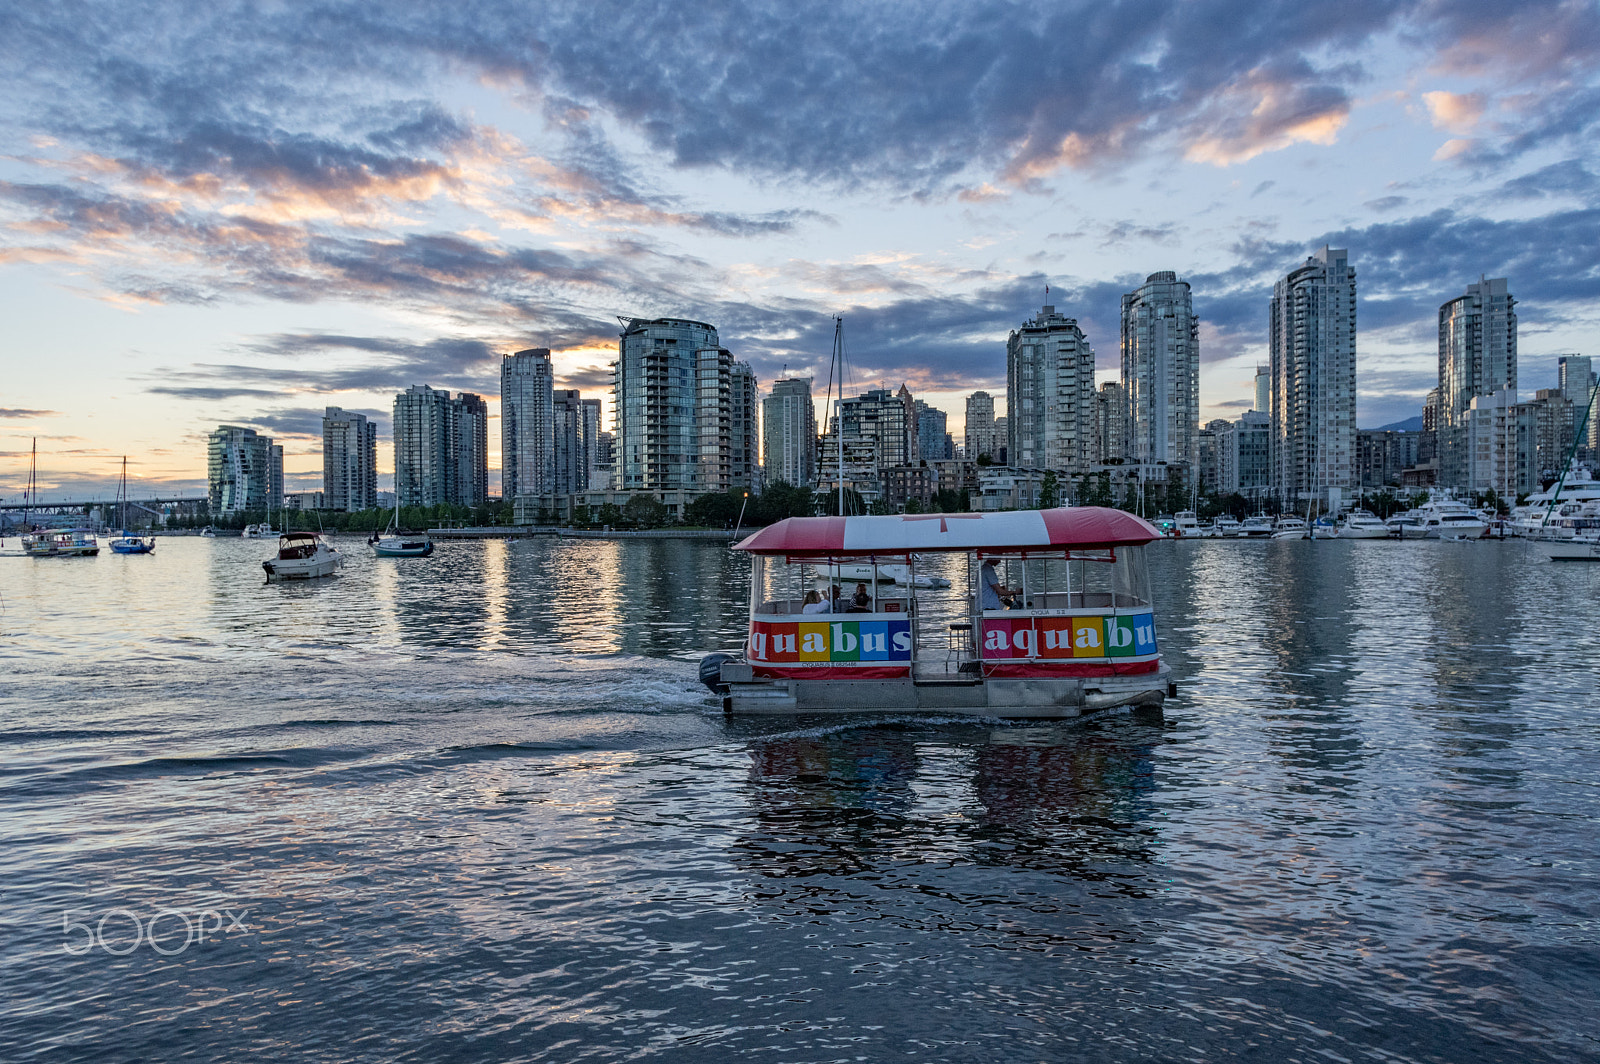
(994, 593)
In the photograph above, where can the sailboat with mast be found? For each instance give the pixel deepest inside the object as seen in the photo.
(53, 542)
(124, 542)
(395, 544)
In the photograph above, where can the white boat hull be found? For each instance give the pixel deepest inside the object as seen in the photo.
(1577, 549)
(1461, 531)
(1051, 698)
(1363, 533)
(318, 565)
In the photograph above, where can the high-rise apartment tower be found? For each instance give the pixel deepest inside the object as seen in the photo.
(1312, 336)
(1161, 370)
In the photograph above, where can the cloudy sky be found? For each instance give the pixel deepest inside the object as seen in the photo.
(218, 212)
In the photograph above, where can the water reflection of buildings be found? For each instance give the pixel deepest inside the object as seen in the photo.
(1069, 800)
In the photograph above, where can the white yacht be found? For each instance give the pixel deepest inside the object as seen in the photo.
(1583, 548)
(265, 531)
(1579, 488)
(1363, 524)
(1257, 527)
(1407, 525)
(1186, 525)
(1290, 527)
(1448, 519)
(1225, 527)
(302, 556)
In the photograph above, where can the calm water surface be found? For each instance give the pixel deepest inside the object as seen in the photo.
(477, 808)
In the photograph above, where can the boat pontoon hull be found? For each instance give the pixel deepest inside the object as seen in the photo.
(1023, 697)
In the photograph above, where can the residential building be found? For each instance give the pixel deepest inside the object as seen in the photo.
(441, 452)
(1161, 370)
(933, 442)
(469, 417)
(887, 418)
(244, 471)
(575, 440)
(1208, 454)
(675, 395)
(306, 500)
(1312, 338)
(1263, 388)
(1050, 395)
(902, 484)
(1244, 456)
(349, 461)
(1008, 488)
(1576, 379)
(1001, 438)
(604, 462)
(1554, 424)
(744, 428)
(1477, 356)
(1382, 456)
(789, 433)
(1111, 422)
(1499, 435)
(527, 423)
(980, 434)
(861, 461)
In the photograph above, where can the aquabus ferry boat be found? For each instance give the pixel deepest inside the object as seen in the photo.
(1053, 617)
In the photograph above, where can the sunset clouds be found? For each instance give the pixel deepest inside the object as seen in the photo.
(281, 206)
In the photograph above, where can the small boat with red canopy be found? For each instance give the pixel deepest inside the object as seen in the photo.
(1053, 616)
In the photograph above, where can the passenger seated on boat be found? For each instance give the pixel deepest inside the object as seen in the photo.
(860, 602)
(813, 603)
(995, 594)
(836, 604)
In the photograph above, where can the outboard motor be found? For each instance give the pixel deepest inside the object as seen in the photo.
(711, 672)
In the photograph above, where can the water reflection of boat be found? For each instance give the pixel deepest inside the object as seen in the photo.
(866, 800)
(1067, 627)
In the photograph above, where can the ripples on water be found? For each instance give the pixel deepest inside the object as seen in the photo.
(477, 807)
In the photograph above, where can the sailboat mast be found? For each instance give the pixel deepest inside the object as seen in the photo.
(838, 356)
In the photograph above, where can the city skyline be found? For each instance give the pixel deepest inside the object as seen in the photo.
(245, 217)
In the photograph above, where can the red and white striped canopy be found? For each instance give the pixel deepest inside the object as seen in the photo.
(1017, 530)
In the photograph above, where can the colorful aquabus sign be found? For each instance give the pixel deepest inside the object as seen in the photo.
(1126, 636)
(790, 642)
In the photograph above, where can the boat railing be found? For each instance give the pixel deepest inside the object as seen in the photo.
(794, 607)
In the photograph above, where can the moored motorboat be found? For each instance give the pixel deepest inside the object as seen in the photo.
(1584, 548)
(1363, 524)
(1226, 526)
(1289, 526)
(1256, 526)
(1448, 519)
(302, 556)
(1186, 525)
(1079, 633)
(1407, 525)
